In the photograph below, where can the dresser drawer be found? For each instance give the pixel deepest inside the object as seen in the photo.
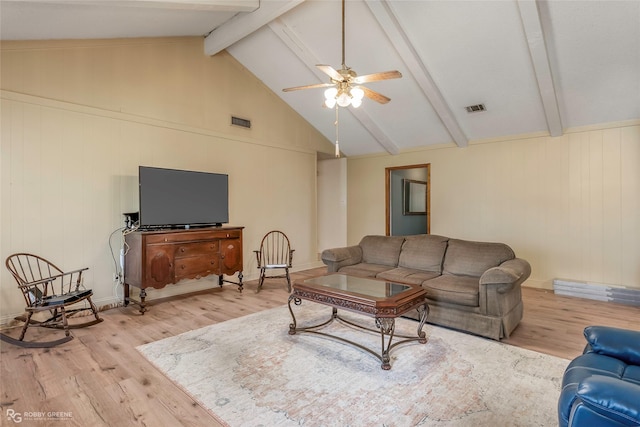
(197, 248)
(195, 267)
(229, 234)
(192, 235)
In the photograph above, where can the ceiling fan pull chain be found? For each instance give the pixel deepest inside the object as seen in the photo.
(337, 134)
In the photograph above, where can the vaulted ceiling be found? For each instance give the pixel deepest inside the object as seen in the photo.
(539, 67)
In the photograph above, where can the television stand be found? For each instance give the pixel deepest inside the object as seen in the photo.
(157, 258)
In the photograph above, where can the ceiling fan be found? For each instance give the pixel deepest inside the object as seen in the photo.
(344, 88)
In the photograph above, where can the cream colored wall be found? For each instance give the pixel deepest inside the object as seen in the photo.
(569, 205)
(77, 119)
(332, 204)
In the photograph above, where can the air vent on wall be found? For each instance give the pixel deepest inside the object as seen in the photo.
(237, 121)
(475, 108)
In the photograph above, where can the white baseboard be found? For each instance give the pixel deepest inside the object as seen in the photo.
(538, 284)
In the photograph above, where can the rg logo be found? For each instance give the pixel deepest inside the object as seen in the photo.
(14, 416)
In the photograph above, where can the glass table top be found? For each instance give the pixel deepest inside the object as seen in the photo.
(359, 285)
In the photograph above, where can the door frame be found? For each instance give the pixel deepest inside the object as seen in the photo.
(387, 192)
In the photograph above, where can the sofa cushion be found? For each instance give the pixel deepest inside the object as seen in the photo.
(407, 275)
(461, 290)
(423, 252)
(364, 270)
(632, 374)
(474, 258)
(383, 250)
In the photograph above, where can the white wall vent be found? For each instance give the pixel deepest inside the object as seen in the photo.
(237, 121)
(475, 108)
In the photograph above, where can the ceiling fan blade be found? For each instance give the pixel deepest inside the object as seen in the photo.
(289, 89)
(331, 72)
(378, 97)
(385, 75)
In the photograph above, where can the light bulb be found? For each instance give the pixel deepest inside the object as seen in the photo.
(330, 102)
(356, 102)
(357, 93)
(344, 100)
(330, 93)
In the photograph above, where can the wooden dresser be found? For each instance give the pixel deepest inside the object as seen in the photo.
(158, 258)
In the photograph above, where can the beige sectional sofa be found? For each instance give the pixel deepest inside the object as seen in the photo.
(471, 286)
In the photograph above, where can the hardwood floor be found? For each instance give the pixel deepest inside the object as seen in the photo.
(100, 379)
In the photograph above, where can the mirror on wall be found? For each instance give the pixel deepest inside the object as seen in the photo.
(414, 197)
(408, 200)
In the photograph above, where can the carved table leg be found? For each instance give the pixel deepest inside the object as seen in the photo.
(423, 311)
(387, 326)
(292, 325)
(240, 280)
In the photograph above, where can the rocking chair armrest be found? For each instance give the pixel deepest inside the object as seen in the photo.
(52, 278)
(79, 270)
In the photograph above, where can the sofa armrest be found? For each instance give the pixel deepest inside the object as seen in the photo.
(507, 274)
(336, 258)
(623, 344)
(611, 398)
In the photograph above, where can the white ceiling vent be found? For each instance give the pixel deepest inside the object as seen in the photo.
(475, 108)
(237, 121)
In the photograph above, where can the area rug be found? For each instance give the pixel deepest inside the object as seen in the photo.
(250, 372)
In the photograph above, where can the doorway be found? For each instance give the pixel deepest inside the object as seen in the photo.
(408, 200)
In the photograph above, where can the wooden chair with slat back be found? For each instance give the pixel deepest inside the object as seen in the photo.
(46, 288)
(275, 253)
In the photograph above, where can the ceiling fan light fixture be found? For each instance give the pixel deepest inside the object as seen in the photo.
(330, 97)
(357, 93)
(343, 99)
(330, 93)
(330, 102)
(355, 102)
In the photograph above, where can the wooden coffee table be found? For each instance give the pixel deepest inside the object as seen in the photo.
(384, 301)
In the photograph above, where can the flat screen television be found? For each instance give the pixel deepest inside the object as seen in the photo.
(179, 198)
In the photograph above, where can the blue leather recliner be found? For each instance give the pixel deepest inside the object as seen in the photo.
(601, 387)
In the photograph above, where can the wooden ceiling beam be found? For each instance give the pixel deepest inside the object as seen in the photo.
(244, 24)
(534, 33)
(386, 17)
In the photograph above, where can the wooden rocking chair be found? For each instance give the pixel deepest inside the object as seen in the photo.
(46, 288)
(275, 253)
